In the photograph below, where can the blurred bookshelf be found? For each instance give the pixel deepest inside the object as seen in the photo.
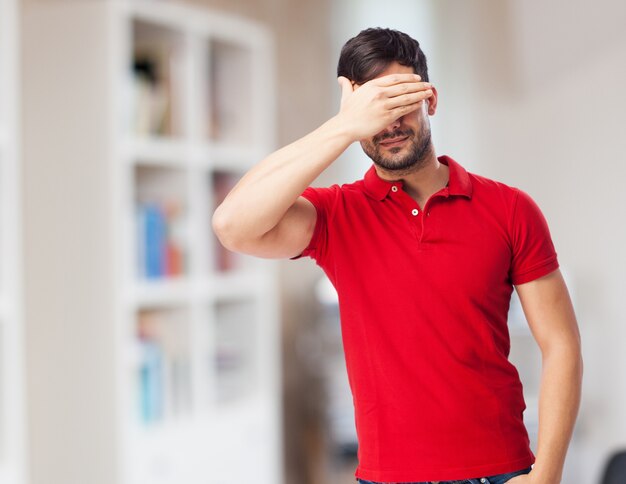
(188, 104)
(12, 427)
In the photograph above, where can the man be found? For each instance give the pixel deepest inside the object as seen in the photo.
(424, 256)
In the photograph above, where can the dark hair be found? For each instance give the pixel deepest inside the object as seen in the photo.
(368, 54)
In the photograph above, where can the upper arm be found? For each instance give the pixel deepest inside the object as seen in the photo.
(289, 237)
(533, 253)
(549, 311)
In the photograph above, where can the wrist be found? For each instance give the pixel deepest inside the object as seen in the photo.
(342, 128)
(537, 476)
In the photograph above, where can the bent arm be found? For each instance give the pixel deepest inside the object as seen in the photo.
(264, 195)
(550, 314)
(263, 214)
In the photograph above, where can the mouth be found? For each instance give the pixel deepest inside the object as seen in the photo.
(388, 143)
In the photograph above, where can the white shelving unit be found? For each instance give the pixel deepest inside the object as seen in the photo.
(12, 429)
(176, 103)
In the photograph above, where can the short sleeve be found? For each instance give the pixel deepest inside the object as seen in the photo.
(533, 251)
(323, 199)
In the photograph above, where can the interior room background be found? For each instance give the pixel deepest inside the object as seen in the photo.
(531, 93)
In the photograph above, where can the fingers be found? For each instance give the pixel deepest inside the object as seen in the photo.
(404, 109)
(408, 99)
(393, 79)
(346, 88)
(406, 88)
(402, 89)
(381, 100)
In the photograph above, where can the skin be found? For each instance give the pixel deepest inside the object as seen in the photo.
(413, 161)
(264, 216)
(550, 314)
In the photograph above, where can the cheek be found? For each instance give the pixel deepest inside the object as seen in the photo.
(421, 113)
(418, 118)
(413, 119)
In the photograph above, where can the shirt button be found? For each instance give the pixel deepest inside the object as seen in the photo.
(415, 211)
(483, 480)
(394, 188)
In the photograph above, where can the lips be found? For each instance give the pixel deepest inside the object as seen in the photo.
(394, 141)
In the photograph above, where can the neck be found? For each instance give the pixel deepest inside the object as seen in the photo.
(422, 180)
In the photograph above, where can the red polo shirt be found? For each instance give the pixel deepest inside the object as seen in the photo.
(423, 301)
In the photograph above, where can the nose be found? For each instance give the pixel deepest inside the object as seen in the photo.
(395, 125)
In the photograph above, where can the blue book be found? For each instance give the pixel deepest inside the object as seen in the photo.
(151, 381)
(155, 241)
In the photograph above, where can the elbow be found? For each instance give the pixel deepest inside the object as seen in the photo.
(567, 354)
(577, 362)
(233, 232)
(222, 228)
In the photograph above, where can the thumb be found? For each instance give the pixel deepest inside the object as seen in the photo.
(346, 88)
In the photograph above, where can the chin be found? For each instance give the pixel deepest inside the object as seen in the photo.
(399, 165)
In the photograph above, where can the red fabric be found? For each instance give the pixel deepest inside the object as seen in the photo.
(423, 301)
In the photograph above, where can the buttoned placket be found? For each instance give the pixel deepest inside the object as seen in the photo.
(416, 216)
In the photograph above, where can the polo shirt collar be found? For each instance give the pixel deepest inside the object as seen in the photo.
(459, 182)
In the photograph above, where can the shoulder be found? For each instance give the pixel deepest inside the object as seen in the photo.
(494, 193)
(514, 204)
(492, 187)
(511, 202)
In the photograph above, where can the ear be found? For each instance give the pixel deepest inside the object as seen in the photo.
(432, 102)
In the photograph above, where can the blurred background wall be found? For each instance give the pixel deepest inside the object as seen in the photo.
(532, 94)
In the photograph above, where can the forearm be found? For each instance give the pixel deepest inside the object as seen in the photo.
(264, 194)
(558, 407)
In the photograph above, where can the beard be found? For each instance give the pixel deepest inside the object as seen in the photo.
(415, 153)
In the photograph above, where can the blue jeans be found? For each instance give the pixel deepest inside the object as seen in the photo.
(499, 479)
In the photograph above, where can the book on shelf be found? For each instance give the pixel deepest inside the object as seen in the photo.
(154, 91)
(150, 380)
(164, 368)
(159, 239)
